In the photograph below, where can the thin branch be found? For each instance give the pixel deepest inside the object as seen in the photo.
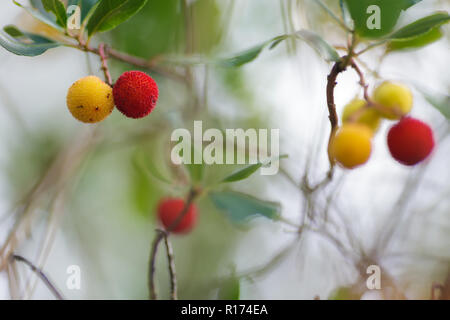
(172, 271)
(362, 81)
(152, 267)
(331, 85)
(40, 274)
(160, 236)
(133, 60)
(102, 51)
(371, 46)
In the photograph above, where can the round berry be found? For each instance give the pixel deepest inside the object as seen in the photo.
(410, 141)
(352, 145)
(396, 99)
(169, 211)
(90, 99)
(370, 117)
(135, 94)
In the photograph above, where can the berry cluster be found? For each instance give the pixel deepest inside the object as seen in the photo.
(410, 141)
(91, 100)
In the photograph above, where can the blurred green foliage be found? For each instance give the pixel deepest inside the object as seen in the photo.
(29, 157)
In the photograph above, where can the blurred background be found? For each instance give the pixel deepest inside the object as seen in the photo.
(89, 200)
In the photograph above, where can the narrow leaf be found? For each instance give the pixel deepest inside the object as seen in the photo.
(143, 164)
(85, 6)
(376, 18)
(314, 40)
(252, 53)
(110, 13)
(37, 4)
(195, 170)
(418, 42)
(57, 8)
(240, 207)
(247, 171)
(325, 50)
(243, 57)
(230, 290)
(39, 13)
(440, 101)
(13, 31)
(242, 174)
(421, 26)
(24, 44)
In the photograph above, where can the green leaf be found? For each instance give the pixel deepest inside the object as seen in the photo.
(389, 13)
(24, 44)
(243, 173)
(85, 6)
(13, 31)
(196, 171)
(333, 15)
(418, 42)
(57, 8)
(314, 40)
(440, 101)
(37, 4)
(325, 50)
(345, 13)
(421, 26)
(142, 163)
(37, 11)
(251, 54)
(247, 171)
(230, 290)
(240, 207)
(110, 13)
(344, 293)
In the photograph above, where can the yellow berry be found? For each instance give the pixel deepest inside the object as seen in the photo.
(352, 145)
(396, 99)
(90, 99)
(369, 117)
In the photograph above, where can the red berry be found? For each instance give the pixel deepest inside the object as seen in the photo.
(135, 94)
(410, 141)
(170, 209)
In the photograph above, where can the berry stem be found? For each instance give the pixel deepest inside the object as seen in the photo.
(370, 102)
(102, 50)
(362, 81)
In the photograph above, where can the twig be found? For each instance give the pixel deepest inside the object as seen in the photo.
(152, 267)
(40, 274)
(331, 85)
(160, 236)
(172, 271)
(362, 81)
(102, 51)
(371, 46)
(339, 66)
(133, 60)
